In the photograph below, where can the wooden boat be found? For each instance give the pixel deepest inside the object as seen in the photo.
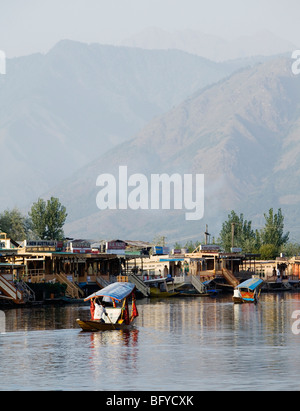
(159, 287)
(248, 291)
(91, 325)
(156, 293)
(119, 316)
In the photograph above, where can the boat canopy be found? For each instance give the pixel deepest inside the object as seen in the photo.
(251, 284)
(116, 291)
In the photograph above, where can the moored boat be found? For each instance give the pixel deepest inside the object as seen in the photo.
(159, 287)
(248, 291)
(119, 316)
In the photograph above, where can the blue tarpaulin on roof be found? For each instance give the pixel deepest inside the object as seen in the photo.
(117, 291)
(251, 284)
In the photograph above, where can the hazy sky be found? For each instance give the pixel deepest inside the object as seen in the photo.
(28, 26)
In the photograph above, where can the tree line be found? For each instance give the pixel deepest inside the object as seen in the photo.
(44, 221)
(268, 242)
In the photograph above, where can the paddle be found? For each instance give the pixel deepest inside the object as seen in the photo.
(111, 321)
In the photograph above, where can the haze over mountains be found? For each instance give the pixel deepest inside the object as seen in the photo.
(210, 46)
(83, 110)
(242, 133)
(61, 110)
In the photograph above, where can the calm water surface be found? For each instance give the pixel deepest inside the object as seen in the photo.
(177, 344)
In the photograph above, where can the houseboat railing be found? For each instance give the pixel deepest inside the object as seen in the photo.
(182, 279)
(34, 275)
(72, 290)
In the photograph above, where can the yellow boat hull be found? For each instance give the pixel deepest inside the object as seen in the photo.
(155, 292)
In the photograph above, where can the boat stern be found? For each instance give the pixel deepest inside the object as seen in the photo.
(237, 297)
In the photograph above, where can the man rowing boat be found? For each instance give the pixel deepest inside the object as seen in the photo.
(99, 310)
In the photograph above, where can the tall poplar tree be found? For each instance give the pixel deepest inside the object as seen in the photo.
(48, 219)
(14, 224)
(244, 236)
(272, 233)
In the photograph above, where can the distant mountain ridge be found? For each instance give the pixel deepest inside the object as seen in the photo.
(210, 46)
(82, 110)
(242, 133)
(61, 110)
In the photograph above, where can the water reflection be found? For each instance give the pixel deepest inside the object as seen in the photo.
(110, 351)
(44, 317)
(188, 344)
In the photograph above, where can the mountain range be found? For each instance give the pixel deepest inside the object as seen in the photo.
(242, 133)
(62, 109)
(81, 111)
(210, 46)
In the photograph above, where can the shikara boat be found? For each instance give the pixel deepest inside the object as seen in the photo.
(248, 291)
(119, 316)
(159, 287)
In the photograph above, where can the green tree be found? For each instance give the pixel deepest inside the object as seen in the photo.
(48, 219)
(268, 252)
(14, 224)
(189, 246)
(38, 218)
(272, 233)
(290, 249)
(244, 236)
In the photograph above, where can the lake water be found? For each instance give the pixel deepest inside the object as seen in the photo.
(183, 344)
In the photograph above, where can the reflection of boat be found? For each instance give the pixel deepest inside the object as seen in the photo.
(159, 287)
(119, 316)
(248, 291)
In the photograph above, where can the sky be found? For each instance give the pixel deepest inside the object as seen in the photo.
(29, 26)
